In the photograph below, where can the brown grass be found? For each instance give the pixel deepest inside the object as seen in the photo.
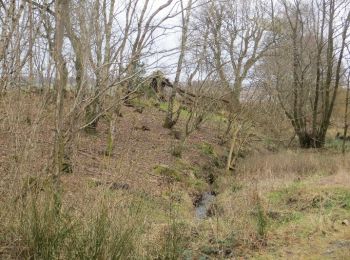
(308, 182)
(158, 211)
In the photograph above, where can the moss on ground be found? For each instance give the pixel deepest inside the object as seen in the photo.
(169, 173)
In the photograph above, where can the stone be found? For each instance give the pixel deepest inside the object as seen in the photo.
(345, 222)
(139, 110)
(143, 128)
(119, 186)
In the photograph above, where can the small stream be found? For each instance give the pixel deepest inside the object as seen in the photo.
(203, 204)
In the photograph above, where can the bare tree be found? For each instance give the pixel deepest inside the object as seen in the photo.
(308, 94)
(238, 39)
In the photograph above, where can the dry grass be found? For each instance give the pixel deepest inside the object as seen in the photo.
(304, 196)
(122, 206)
(114, 186)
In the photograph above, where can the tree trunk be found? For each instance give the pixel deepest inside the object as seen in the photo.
(92, 115)
(346, 125)
(307, 140)
(61, 82)
(171, 119)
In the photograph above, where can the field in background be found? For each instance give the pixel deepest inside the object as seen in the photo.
(140, 202)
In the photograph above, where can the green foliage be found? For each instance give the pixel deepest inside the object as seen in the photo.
(191, 176)
(343, 197)
(210, 250)
(220, 247)
(261, 220)
(199, 185)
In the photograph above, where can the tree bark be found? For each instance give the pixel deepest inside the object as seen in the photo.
(171, 119)
(61, 82)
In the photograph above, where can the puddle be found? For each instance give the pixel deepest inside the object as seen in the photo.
(203, 204)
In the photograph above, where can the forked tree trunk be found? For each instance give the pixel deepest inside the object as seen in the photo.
(326, 77)
(307, 140)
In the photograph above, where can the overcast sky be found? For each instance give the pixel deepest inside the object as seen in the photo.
(166, 41)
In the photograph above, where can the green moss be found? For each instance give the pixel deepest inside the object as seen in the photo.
(166, 171)
(154, 206)
(345, 199)
(210, 250)
(141, 102)
(337, 145)
(191, 177)
(176, 240)
(217, 118)
(235, 187)
(261, 221)
(282, 218)
(183, 165)
(198, 185)
(206, 148)
(184, 113)
(281, 195)
(270, 144)
(334, 198)
(163, 106)
(176, 150)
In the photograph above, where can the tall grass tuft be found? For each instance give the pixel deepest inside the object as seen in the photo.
(104, 238)
(261, 219)
(174, 245)
(45, 229)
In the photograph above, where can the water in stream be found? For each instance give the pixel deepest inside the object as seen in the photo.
(203, 205)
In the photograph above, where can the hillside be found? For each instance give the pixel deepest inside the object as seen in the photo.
(148, 202)
(174, 129)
